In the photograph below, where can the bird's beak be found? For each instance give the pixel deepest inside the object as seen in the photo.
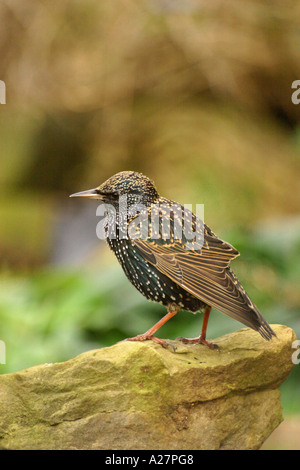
(90, 193)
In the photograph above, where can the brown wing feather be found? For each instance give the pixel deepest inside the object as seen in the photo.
(206, 275)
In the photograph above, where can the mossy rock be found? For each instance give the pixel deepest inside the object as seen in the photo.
(141, 396)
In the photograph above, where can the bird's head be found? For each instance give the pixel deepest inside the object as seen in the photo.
(135, 186)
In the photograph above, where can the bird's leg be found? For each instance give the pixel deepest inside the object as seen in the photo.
(149, 334)
(202, 338)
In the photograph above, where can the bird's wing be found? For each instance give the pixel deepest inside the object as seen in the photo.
(206, 274)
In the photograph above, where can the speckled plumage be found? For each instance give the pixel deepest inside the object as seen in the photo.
(164, 270)
(153, 284)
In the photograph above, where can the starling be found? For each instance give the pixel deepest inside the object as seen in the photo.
(168, 268)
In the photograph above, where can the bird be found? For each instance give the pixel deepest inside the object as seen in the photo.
(169, 268)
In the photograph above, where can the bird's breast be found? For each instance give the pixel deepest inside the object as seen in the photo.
(153, 284)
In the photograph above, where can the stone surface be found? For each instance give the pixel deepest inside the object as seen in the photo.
(142, 396)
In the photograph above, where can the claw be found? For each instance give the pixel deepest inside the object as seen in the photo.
(199, 340)
(171, 345)
(145, 337)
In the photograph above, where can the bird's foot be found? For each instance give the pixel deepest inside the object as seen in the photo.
(145, 337)
(199, 340)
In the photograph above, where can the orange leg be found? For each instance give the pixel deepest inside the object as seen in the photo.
(202, 338)
(205, 323)
(149, 334)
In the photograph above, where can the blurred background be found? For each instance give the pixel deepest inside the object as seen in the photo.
(194, 94)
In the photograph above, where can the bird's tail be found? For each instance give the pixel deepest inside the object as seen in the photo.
(249, 315)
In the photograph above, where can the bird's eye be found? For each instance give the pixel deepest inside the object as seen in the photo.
(114, 194)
